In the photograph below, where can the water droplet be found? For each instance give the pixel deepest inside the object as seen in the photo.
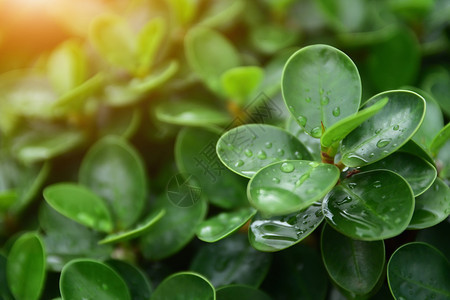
(308, 99)
(324, 100)
(383, 143)
(378, 131)
(301, 180)
(291, 108)
(344, 200)
(321, 91)
(268, 145)
(372, 154)
(280, 152)
(302, 121)
(314, 164)
(377, 184)
(276, 180)
(336, 111)
(262, 155)
(239, 163)
(298, 155)
(316, 132)
(287, 167)
(351, 185)
(396, 127)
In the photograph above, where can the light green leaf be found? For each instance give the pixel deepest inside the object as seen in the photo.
(184, 286)
(440, 139)
(184, 11)
(344, 15)
(241, 83)
(149, 40)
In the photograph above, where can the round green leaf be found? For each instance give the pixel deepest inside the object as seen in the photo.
(437, 84)
(386, 131)
(354, 265)
(247, 149)
(373, 205)
(195, 154)
(89, 279)
(312, 144)
(432, 207)
(224, 224)
(241, 83)
(123, 122)
(174, 230)
(138, 284)
(278, 233)
(184, 286)
(289, 186)
(25, 267)
(413, 148)
(242, 292)
(333, 93)
(79, 204)
(113, 170)
(231, 261)
(190, 114)
(419, 173)
(419, 271)
(139, 230)
(437, 236)
(344, 15)
(440, 139)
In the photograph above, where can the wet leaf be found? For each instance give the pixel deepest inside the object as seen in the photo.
(418, 270)
(286, 187)
(386, 131)
(312, 144)
(138, 284)
(242, 292)
(247, 149)
(331, 95)
(370, 206)
(184, 286)
(90, 279)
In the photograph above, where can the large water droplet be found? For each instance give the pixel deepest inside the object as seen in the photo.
(383, 143)
(316, 132)
(302, 121)
(396, 127)
(239, 163)
(248, 152)
(301, 180)
(337, 111)
(287, 167)
(268, 145)
(291, 108)
(262, 155)
(324, 100)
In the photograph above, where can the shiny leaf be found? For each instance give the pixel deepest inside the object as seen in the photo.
(312, 144)
(440, 139)
(286, 187)
(184, 286)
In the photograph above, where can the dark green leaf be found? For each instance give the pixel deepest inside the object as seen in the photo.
(113, 170)
(241, 292)
(79, 204)
(247, 149)
(354, 265)
(432, 207)
(438, 85)
(437, 236)
(440, 139)
(333, 93)
(232, 261)
(370, 206)
(286, 187)
(89, 279)
(5, 293)
(413, 148)
(419, 173)
(25, 267)
(278, 233)
(184, 286)
(138, 284)
(224, 224)
(385, 132)
(419, 271)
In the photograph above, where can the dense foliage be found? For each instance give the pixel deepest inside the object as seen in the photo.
(196, 149)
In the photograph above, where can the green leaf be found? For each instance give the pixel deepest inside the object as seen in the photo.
(184, 286)
(354, 265)
(436, 236)
(440, 139)
(247, 149)
(419, 173)
(138, 284)
(242, 292)
(25, 267)
(312, 144)
(113, 170)
(370, 206)
(270, 38)
(344, 15)
(386, 131)
(221, 13)
(184, 11)
(278, 233)
(79, 204)
(338, 131)
(231, 261)
(241, 83)
(139, 230)
(420, 270)
(437, 84)
(289, 186)
(413, 148)
(65, 239)
(331, 95)
(66, 66)
(195, 154)
(89, 279)
(224, 224)
(174, 230)
(190, 114)
(394, 62)
(5, 293)
(123, 122)
(106, 32)
(149, 40)
(203, 48)
(432, 207)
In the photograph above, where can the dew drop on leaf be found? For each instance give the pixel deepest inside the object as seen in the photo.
(351, 185)
(301, 180)
(248, 152)
(308, 99)
(287, 167)
(276, 180)
(262, 155)
(336, 111)
(396, 127)
(302, 121)
(280, 152)
(239, 163)
(372, 154)
(268, 145)
(298, 155)
(377, 184)
(316, 132)
(324, 100)
(378, 131)
(314, 164)
(383, 143)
